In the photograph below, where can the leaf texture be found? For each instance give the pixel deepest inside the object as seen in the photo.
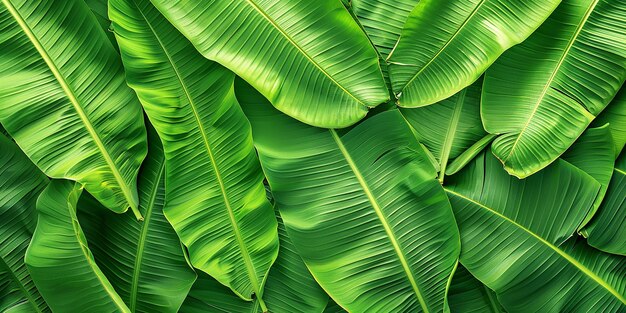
(446, 45)
(468, 295)
(59, 259)
(144, 261)
(301, 39)
(20, 184)
(215, 198)
(615, 115)
(362, 207)
(540, 105)
(64, 99)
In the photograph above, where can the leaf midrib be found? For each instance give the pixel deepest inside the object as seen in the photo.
(70, 95)
(233, 222)
(450, 135)
(548, 84)
(382, 219)
(301, 50)
(582, 268)
(21, 286)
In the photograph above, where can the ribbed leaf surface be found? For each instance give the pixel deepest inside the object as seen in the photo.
(449, 127)
(514, 232)
(215, 198)
(468, 295)
(383, 20)
(607, 230)
(59, 259)
(446, 45)
(615, 115)
(20, 184)
(540, 105)
(294, 52)
(64, 100)
(144, 261)
(362, 207)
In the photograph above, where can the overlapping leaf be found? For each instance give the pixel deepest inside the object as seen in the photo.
(468, 295)
(540, 105)
(309, 58)
(615, 116)
(215, 198)
(446, 45)
(362, 207)
(64, 100)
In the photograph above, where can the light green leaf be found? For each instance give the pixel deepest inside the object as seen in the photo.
(592, 153)
(20, 184)
(468, 295)
(446, 45)
(362, 206)
(514, 238)
(289, 288)
(383, 20)
(615, 115)
(450, 127)
(215, 198)
(64, 100)
(59, 259)
(540, 105)
(301, 39)
(144, 261)
(607, 230)
(99, 10)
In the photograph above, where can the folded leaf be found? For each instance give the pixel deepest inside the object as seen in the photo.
(607, 230)
(540, 105)
(362, 206)
(59, 259)
(144, 261)
(64, 100)
(215, 198)
(300, 40)
(449, 127)
(468, 295)
(514, 239)
(20, 184)
(446, 45)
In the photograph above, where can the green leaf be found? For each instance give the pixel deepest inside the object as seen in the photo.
(144, 261)
(592, 153)
(383, 20)
(20, 184)
(514, 239)
(540, 105)
(607, 230)
(468, 295)
(362, 206)
(333, 307)
(214, 183)
(289, 288)
(450, 127)
(300, 39)
(64, 100)
(446, 45)
(59, 259)
(615, 115)
(100, 11)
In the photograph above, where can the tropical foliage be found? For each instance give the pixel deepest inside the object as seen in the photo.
(313, 156)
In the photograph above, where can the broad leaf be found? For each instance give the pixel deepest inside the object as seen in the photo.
(333, 307)
(100, 11)
(59, 259)
(450, 127)
(446, 45)
(362, 206)
(289, 288)
(215, 198)
(540, 105)
(383, 20)
(607, 230)
(514, 239)
(468, 295)
(315, 41)
(615, 115)
(144, 261)
(20, 184)
(64, 100)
